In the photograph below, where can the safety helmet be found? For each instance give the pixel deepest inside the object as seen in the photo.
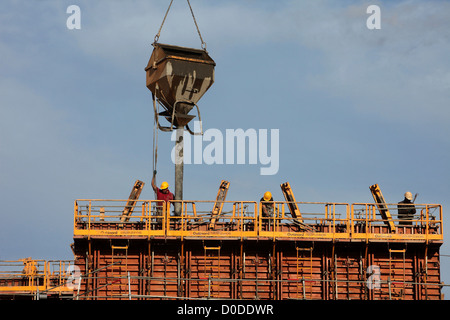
(408, 195)
(267, 196)
(164, 185)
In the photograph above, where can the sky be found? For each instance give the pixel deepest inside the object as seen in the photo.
(353, 106)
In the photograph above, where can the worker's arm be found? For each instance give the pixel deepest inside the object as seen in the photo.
(155, 188)
(263, 210)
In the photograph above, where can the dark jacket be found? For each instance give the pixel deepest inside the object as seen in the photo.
(267, 207)
(406, 212)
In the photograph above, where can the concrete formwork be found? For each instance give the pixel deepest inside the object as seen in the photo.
(256, 269)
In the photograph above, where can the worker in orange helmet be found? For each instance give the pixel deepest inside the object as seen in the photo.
(267, 205)
(162, 193)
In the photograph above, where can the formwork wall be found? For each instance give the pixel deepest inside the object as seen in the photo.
(325, 251)
(249, 269)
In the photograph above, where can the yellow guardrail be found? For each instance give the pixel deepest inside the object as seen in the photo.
(425, 224)
(318, 220)
(99, 217)
(237, 219)
(243, 219)
(30, 276)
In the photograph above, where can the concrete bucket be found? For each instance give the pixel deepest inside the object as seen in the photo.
(178, 77)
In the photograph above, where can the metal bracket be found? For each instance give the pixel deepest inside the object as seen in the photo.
(171, 128)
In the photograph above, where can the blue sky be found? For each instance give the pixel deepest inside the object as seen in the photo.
(353, 106)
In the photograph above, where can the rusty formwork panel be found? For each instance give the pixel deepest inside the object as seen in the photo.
(230, 269)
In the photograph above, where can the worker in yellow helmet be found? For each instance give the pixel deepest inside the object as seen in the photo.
(162, 193)
(267, 205)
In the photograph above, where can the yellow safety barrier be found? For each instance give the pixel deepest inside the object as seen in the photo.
(319, 220)
(424, 225)
(100, 218)
(31, 277)
(239, 219)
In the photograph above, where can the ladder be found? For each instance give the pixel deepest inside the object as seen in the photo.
(218, 205)
(293, 208)
(304, 271)
(382, 207)
(397, 274)
(211, 271)
(118, 270)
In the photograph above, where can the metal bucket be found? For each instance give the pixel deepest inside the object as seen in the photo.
(178, 77)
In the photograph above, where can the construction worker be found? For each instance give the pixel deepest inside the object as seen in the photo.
(30, 268)
(162, 193)
(406, 210)
(267, 205)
